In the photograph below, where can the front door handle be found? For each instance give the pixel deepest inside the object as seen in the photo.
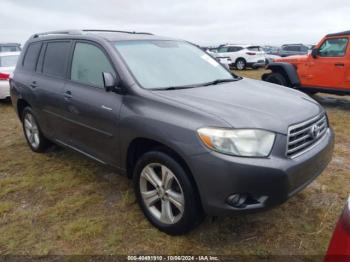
(34, 85)
(339, 64)
(67, 94)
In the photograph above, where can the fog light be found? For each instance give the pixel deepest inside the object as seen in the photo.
(236, 200)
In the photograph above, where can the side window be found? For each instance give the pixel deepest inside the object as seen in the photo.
(234, 49)
(334, 47)
(89, 62)
(223, 49)
(31, 56)
(56, 58)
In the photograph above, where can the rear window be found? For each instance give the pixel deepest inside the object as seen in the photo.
(12, 48)
(31, 56)
(56, 58)
(8, 61)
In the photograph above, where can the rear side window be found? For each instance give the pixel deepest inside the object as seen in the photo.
(255, 48)
(89, 62)
(31, 56)
(56, 58)
(234, 49)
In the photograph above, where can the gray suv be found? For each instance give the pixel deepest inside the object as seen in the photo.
(194, 138)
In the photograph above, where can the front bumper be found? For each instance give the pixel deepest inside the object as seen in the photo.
(4, 89)
(271, 180)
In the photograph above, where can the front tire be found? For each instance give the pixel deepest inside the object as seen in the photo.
(277, 78)
(35, 138)
(165, 193)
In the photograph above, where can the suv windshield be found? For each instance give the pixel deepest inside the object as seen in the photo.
(8, 61)
(160, 64)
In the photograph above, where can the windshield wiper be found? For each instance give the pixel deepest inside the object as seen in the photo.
(218, 81)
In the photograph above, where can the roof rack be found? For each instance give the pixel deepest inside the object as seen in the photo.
(116, 31)
(65, 32)
(80, 32)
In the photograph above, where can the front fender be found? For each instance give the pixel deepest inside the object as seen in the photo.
(288, 69)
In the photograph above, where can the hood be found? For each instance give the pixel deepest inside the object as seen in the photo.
(249, 103)
(294, 59)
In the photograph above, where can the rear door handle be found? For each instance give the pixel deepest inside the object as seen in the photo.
(34, 85)
(339, 64)
(67, 94)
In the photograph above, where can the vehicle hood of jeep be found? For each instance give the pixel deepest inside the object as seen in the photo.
(295, 59)
(248, 103)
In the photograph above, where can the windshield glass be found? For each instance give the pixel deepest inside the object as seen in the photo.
(8, 61)
(165, 64)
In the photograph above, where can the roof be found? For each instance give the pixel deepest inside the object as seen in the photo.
(10, 53)
(109, 35)
(339, 34)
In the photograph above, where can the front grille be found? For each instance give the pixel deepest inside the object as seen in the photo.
(304, 135)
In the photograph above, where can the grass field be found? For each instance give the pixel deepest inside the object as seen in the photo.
(63, 203)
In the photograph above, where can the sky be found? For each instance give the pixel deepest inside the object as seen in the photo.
(205, 22)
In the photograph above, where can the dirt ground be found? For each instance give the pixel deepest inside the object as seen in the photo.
(63, 203)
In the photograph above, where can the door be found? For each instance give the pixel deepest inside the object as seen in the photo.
(328, 69)
(48, 83)
(91, 112)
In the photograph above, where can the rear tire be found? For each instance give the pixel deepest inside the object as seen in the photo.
(241, 64)
(35, 138)
(165, 193)
(277, 78)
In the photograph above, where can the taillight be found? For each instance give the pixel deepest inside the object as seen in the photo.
(340, 243)
(4, 76)
(251, 53)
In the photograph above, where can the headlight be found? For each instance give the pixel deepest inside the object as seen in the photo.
(239, 142)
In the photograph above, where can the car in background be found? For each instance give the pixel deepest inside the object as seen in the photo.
(293, 49)
(271, 50)
(339, 247)
(243, 56)
(7, 65)
(326, 69)
(10, 47)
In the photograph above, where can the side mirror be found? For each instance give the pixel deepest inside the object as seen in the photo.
(314, 53)
(110, 82)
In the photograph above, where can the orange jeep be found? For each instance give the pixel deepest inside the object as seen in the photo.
(325, 69)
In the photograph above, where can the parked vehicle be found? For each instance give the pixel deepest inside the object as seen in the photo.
(7, 65)
(293, 49)
(194, 138)
(10, 47)
(243, 56)
(326, 69)
(272, 50)
(339, 246)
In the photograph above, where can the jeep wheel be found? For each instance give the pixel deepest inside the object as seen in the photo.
(276, 78)
(35, 139)
(165, 193)
(240, 64)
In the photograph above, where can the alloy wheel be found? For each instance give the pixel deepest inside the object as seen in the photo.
(161, 193)
(31, 130)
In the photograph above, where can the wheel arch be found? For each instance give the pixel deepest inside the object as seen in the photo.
(287, 69)
(240, 58)
(140, 145)
(20, 105)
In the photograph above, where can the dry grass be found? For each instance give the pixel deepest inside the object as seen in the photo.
(63, 203)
